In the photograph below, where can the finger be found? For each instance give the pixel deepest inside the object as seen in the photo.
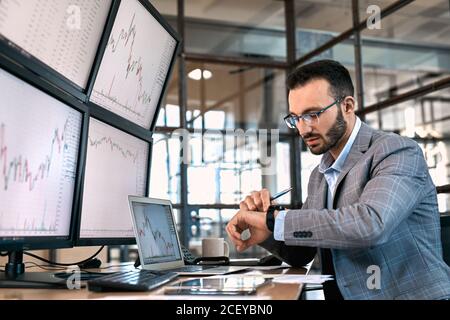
(265, 197)
(243, 206)
(244, 246)
(234, 233)
(227, 229)
(231, 230)
(250, 203)
(256, 196)
(237, 242)
(230, 227)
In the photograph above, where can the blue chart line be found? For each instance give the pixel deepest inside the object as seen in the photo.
(114, 146)
(18, 168)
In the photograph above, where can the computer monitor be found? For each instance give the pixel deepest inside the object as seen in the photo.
(56, 39)
(117, 165)
(136, 63)
(40, 136)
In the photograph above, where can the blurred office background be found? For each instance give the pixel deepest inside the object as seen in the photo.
(231, 75)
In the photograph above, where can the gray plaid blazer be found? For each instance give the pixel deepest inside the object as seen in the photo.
(385, 215)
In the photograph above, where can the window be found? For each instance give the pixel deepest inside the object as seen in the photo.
(251, 28)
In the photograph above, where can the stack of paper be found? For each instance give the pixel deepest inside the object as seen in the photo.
(292, 278)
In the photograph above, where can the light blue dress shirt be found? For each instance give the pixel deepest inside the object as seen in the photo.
(331, 174)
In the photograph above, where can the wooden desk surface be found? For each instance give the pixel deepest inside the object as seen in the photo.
(271, 291)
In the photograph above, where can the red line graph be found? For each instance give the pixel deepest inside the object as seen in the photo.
(134, 63)
(18, 169)
(124, 35)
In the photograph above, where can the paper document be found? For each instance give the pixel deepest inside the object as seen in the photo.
(291, 278)
(268, 267)
(282, 278)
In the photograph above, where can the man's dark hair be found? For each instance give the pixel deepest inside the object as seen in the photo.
(332, 71)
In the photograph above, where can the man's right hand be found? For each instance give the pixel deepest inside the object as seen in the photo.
(256, 201)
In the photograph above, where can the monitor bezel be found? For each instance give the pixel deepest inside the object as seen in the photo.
(30, 69)
(100, 53)
(50, 242)
(28, 61)
(135, 131)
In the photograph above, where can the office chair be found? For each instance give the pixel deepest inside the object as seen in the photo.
(445, 227)
(445, 237)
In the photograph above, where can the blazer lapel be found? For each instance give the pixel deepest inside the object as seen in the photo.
(318, 200)
(359, 147)
(322, 194)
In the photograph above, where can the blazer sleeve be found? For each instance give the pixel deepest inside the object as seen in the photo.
(294, 255)
(399, 179)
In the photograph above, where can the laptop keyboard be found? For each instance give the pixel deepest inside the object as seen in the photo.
(142, 280)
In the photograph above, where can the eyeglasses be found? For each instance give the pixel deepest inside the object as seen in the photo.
(309, 118)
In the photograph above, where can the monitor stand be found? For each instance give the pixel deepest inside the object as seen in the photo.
(15, 276)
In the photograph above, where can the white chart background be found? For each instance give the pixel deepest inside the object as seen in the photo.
(156, 233)
(43, 29)
(135, 65)
(42, 134)
(116, 166)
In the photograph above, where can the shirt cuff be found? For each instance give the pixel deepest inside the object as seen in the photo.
(278, 230)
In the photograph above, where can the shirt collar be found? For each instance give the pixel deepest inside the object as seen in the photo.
(327, 162)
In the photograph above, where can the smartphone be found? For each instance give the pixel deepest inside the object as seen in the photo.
(217, 286)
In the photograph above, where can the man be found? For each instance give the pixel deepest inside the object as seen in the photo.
(371, 205)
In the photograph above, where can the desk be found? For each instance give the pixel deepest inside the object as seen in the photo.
(271, 291)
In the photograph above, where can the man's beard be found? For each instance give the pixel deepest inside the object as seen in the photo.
(333, 135)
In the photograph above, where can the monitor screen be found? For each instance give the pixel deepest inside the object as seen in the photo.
(156, 231)
(39, 143)
(116, 166)
(135, 65)
(63, 34)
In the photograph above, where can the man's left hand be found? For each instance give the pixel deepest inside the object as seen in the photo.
(254, 221)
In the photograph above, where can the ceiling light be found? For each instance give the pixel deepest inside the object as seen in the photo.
(196, 74)
(207, 74)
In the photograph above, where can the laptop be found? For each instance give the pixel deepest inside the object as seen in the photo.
(158, 242)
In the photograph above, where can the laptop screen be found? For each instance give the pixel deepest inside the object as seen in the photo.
(156, 232)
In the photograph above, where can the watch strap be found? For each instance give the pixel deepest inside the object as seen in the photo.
(270, 217)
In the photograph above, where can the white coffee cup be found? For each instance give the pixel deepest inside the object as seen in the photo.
(215, 247)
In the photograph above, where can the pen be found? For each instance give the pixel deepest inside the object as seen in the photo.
(279, 194)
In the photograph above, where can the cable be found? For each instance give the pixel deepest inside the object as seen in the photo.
(109, 267)
(50, 267)
(53, 268)
(42, 266)
(64, 264)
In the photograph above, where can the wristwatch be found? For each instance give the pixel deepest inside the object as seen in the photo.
(270, 218)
